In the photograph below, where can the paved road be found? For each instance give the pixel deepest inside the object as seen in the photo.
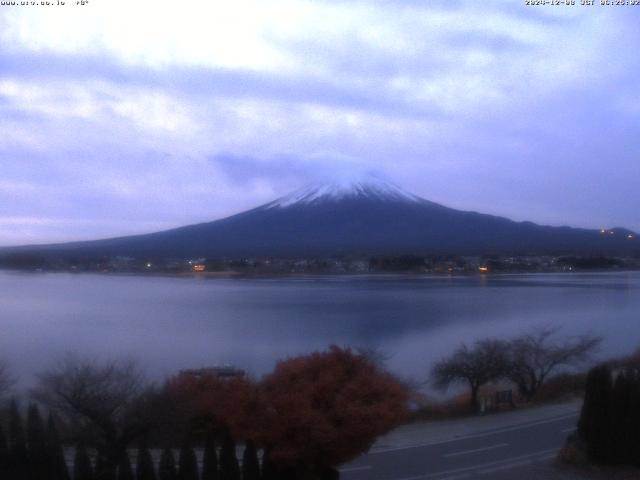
(507, 452)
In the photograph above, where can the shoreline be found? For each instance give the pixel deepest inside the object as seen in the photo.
(292, 275)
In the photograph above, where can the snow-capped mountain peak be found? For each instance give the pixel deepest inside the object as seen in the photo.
(341, 189)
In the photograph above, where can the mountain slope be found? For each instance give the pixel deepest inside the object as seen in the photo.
(361, 217)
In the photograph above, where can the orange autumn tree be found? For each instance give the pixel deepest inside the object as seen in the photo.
(313, 413)
(210, 402)
(326, 408)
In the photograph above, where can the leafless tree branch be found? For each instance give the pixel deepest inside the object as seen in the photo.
(487, 360)
(6, 380)
(107, 398)
(535, 355)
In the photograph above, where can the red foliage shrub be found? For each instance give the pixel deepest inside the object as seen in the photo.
(312, 413)
(328, 407)
(211, 401)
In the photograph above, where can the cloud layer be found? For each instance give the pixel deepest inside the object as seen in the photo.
(121, 118)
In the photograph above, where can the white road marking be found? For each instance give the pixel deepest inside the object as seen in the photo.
(567, 430)
(475, 450)
(505, 461)
(456, 477)
(508, 466)
(476, 435)
(550, 456)
(354, 469)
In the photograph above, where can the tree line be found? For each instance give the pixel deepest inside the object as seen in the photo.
(32, 454)
(36, 453)
(311, 414)
(526, 361)
(609, 426)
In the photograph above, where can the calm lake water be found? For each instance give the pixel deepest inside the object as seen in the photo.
(174, 323)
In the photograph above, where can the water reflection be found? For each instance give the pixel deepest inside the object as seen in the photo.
(173, 323)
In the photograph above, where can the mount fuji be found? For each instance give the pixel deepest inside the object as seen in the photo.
(353, 217)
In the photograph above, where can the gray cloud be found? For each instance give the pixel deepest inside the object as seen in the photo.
(468, 109)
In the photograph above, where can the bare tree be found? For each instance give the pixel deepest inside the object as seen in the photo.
(6, 380)
(109, 399)
(534, 356)
(487, 360)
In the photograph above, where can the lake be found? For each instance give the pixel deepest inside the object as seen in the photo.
(173, 323)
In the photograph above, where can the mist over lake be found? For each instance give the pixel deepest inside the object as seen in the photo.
(173, 323)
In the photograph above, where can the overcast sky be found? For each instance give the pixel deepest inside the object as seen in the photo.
(125, 116)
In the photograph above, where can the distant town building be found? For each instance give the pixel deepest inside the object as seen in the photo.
(121, 263)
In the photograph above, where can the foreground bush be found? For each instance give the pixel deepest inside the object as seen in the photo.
(609, 426)
(313, 413)
(326, 408)
(562, 386)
